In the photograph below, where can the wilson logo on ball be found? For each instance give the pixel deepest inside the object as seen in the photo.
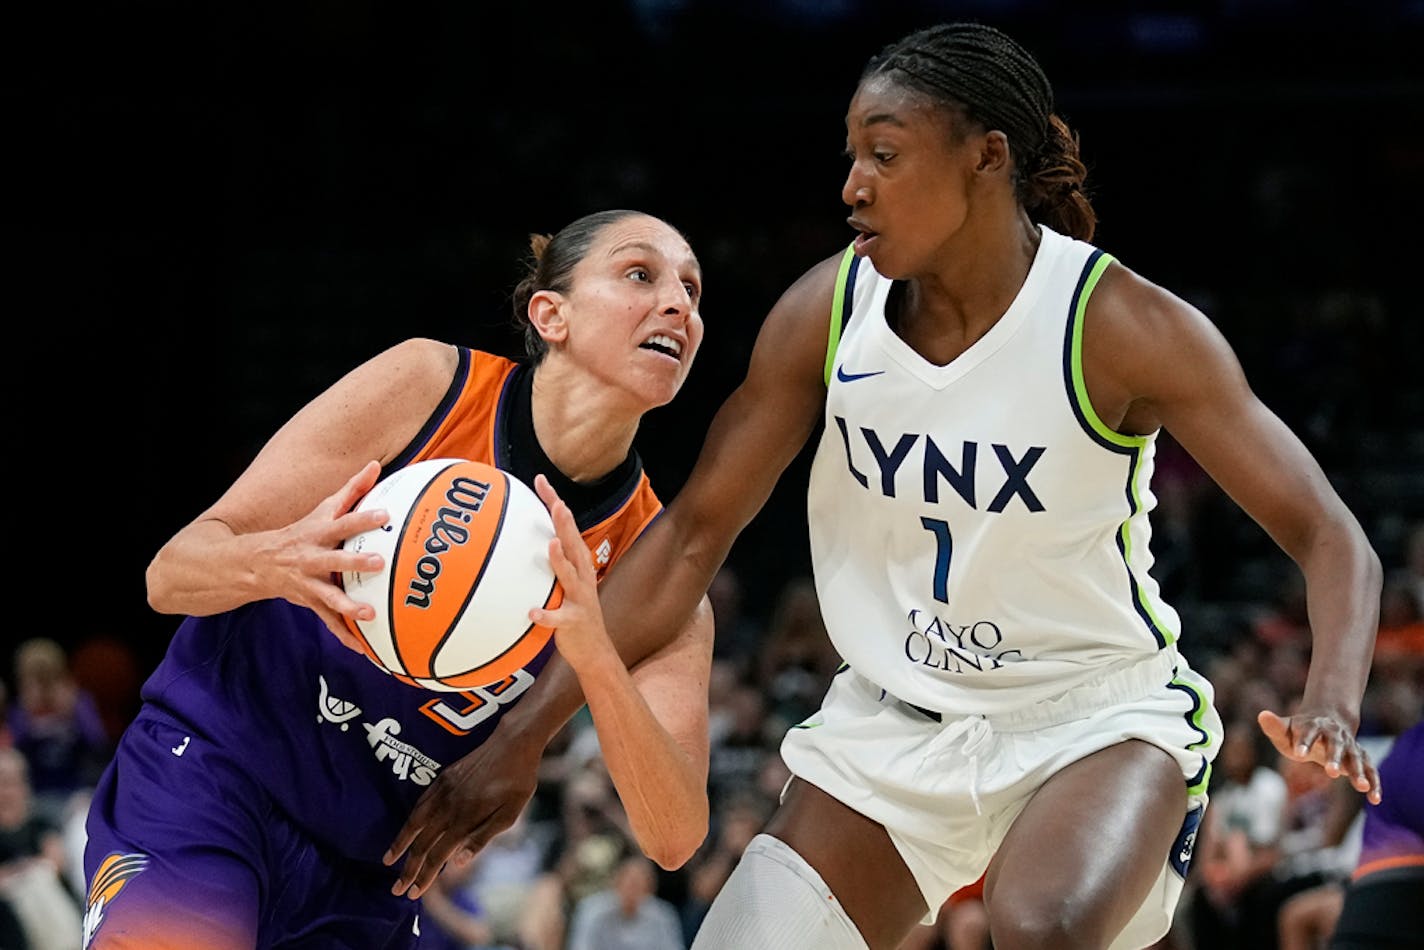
(468, 558)
(466, 496)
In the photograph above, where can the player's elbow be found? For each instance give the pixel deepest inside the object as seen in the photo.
(159, 590)
(675, 848)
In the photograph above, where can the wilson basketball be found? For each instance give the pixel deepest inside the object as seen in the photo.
(467, 556)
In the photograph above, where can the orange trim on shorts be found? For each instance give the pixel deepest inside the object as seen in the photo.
(1387, 864)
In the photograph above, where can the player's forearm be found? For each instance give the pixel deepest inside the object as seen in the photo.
(206, 569)
(654, 589)
(1343, 580)
(547, 706)
(663, 791)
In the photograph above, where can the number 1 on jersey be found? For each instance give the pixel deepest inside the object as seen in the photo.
(944, 547)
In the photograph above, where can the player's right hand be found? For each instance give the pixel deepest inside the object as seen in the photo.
(471, 800)
(330, 524)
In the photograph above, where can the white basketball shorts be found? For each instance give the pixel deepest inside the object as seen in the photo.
(948, 791)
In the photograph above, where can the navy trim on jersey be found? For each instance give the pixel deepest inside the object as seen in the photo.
(1068, 370)
(848, 301)
(1132, 452)
(452, 393)
(501, 419)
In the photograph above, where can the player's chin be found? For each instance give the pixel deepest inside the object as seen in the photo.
(887, 264)
(653, 390)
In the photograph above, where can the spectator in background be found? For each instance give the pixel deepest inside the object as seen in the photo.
(593, 837)
(1394, 696)
(738, 636)
(7, 738)
(1411, 575)
(628, 915)
(452, 918)
(797, 659)
(1239, 844)
(32, 864)
(1285, 621)
(57, 726)
(501, 878)
(963, 923)
(1399, 645)
(747, 742)
(1319, 845)
(107, 669)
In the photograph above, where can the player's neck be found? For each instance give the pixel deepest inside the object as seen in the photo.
(579, 427)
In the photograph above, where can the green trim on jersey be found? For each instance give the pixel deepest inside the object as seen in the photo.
(1080, 389)
(1136, 443)
(833, 339)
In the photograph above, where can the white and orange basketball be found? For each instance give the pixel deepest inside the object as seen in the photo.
(467, 556)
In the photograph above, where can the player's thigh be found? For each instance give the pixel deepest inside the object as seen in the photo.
(1082, 855)
(856, 859)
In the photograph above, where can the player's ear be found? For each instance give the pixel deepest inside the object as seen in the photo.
(546, 315)
(993, 153)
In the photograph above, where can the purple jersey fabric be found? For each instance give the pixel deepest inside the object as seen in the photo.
(265, 776)
(343, 748)
(1394, 829)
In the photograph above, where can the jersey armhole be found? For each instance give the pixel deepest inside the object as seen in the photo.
(841, 305)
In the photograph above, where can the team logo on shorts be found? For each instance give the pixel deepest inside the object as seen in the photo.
(113, 874)
(1181, 856)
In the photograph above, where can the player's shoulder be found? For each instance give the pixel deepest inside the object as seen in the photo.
(1129, 308)
(412, 373)
(420, 353)
(813, 292)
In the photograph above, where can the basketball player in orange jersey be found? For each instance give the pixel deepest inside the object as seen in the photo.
(989, 388)
(251, 801)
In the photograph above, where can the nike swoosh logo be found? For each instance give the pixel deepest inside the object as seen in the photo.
(845, 377)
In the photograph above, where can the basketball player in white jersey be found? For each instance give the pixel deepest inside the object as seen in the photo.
(991, 388)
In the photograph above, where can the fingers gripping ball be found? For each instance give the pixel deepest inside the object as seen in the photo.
(467, 555)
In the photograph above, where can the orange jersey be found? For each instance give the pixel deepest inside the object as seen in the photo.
(481, 419)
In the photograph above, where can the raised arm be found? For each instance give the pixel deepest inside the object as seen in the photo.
(651, 721)
(654, 589)
(1183, 376)
(276, 531)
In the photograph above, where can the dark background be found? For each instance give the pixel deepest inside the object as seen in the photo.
(220, 209)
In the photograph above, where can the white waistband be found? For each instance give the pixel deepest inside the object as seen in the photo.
(1120, 684)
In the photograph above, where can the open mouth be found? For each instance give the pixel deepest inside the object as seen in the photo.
(864, 239)
(661, 343)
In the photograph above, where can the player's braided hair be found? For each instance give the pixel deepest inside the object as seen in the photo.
(981, 73)
(550, 266)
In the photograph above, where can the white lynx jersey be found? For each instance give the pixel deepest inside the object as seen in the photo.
(979, 536)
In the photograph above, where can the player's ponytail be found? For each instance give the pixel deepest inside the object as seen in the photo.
(1051, 186)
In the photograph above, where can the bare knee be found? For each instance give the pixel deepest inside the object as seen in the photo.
(1029, 922)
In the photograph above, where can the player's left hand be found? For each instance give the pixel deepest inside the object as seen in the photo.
(578, 620)
(1328, 741)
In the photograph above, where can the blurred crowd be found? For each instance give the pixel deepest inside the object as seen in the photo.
(1272, 862)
